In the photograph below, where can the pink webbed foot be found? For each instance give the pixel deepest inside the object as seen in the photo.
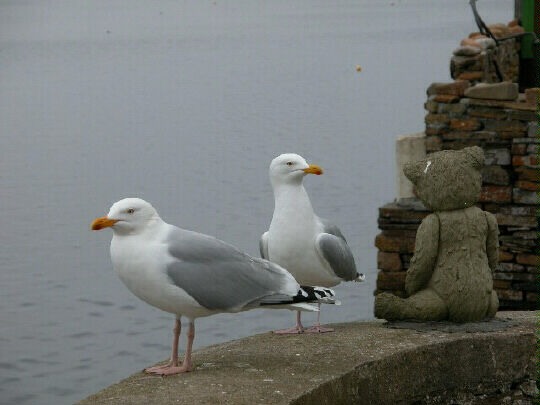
(169, 369)
(318, 329)
(159, 369)
(295, 330)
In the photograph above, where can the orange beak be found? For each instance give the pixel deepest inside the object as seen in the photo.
(103, 222)
(314, 169)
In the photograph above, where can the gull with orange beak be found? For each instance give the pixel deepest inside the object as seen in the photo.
(312, 249)
(194, 275)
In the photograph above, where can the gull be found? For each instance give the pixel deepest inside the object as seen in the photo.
(194, 275)
(312, 249)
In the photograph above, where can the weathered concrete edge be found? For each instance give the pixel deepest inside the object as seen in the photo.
(368, 363)
(411, 375)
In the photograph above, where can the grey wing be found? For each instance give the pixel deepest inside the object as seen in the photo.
(263, 246)
(220, 277)
(333, 247)
(332, 229)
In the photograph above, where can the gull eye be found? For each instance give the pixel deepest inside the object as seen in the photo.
(130, 210)
(290, 163)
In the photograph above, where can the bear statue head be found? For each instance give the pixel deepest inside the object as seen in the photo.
(448, 180)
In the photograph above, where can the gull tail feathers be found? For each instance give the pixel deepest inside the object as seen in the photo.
(320, 295)
(304, 300)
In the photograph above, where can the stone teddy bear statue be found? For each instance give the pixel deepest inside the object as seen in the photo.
(456, 250)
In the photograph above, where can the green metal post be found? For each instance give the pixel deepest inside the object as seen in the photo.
(528, 23)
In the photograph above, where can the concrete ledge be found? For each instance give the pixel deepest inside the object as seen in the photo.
(361, 363)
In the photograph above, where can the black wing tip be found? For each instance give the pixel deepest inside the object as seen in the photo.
(315, 294)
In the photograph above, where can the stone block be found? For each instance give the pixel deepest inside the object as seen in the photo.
(436, 129)
(532, 297)
(532, 149)
(389, 261)
(528, 185)
(502, 284)
(532, 96)
(524, 197)
(511, 220)
(395, 242)
(524, 148)
(391, 280)
(457, 135)
(508, 268)
(495, 175)
(524, 286)
(528, 141)
(527, 160)
(519, 148)
(460, 64)
(510, 135)
(496, 194)
(516, 210)
(431, 106)
(461, 143)
(525, 234)
(510, 295)
(505, 256)
(528, 259)
(499, 157)
(452, 109)
(433, 143)
(505, 126)
(517, 244)
(514, 276)
(488, 136)
(493, 91)
(437, 119)
(485, 112)
(467, 50)
(446, 98)
(465, 124)
(388, 225)
(471, 76)
(533, 130)
(408, 148)
(456, 88)
(522, 115)
(395, 213)
(527, 173)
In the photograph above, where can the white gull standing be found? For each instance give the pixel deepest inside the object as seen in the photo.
(194, 275)
(312, 249)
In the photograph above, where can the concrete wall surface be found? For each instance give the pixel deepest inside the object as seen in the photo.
(360, 363)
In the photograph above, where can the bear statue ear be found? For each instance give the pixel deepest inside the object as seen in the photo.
(412, 171)
(477, 155)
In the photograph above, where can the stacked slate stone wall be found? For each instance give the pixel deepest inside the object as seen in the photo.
(509, 134)
(477, 64)
(478, 56)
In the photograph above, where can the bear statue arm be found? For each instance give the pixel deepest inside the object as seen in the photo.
(492, 241)
(425, 255)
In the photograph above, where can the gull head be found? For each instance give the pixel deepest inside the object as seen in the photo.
(130, 215)
(291, 168)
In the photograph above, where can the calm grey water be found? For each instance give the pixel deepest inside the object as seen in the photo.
(184, 103)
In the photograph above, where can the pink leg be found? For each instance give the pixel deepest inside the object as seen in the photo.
(317, 328)
(187, 365)
(294, 330)
(173, 361)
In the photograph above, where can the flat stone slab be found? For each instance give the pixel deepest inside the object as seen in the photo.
(493, 91)
(361, 362)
